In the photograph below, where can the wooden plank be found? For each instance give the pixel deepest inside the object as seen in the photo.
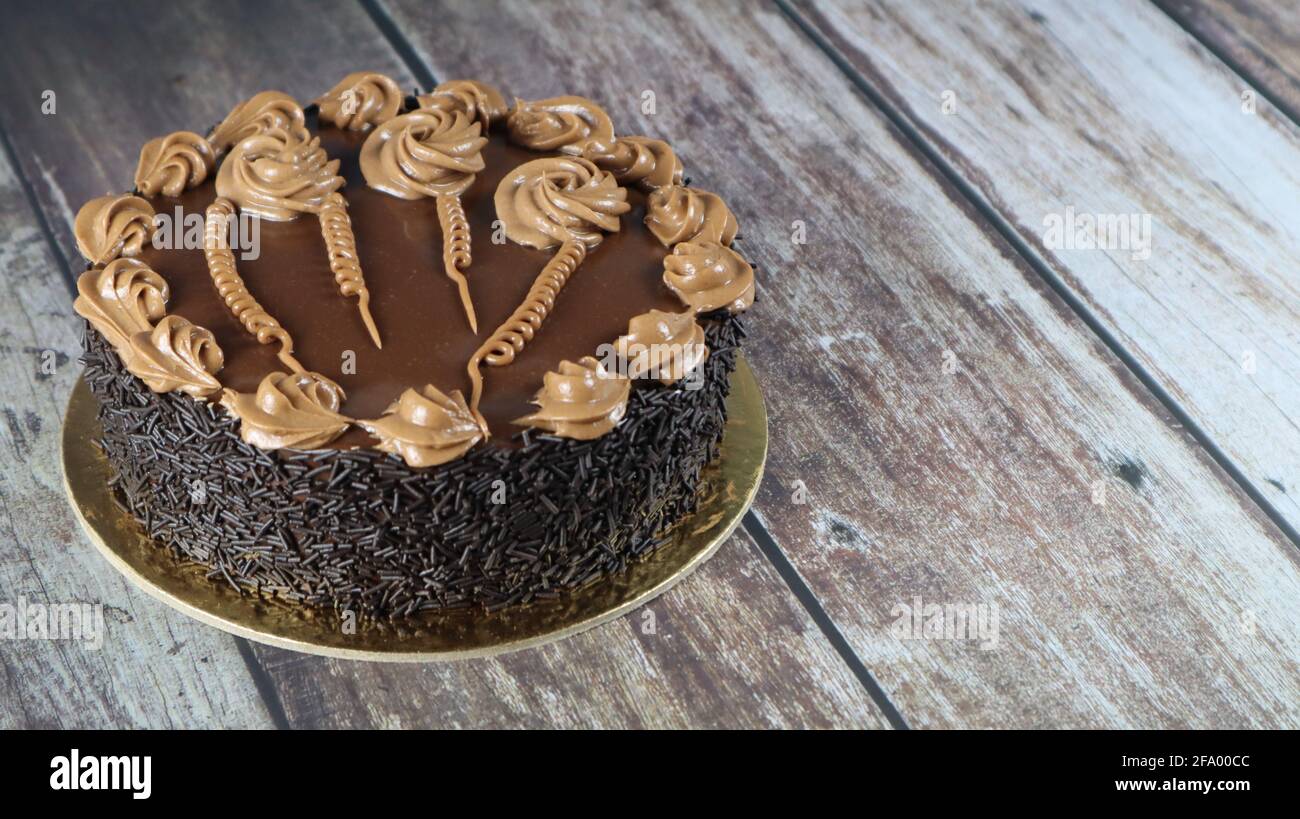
(1259, 39)
(1117, 112)
(950, 419)
(729, 648)
(735, 651)
(151, 669)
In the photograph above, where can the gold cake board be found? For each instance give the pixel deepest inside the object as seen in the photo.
(732, 481)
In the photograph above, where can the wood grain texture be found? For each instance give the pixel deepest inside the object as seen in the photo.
(153, 670)
(732, 648)
(1261, 37)
(1150, 125)
(1169, 602)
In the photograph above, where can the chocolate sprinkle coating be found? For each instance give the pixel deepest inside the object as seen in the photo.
(359, 530)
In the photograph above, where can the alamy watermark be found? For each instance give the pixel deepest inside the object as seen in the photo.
(1099, 231)
(75, 772)
(974, 622)
(69, 622)
(179, 230)
(663, 362)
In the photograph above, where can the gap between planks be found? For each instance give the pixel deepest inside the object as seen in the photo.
(922, 145)
(767, 545)
(1257, 83)
(33, 203)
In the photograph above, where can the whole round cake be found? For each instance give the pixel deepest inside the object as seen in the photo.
(397, 353)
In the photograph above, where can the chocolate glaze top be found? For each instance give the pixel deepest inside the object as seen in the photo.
(354, 278)
(417, 309)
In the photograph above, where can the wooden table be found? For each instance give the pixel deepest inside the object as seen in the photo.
(966, 410)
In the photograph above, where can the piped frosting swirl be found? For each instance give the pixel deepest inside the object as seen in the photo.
(667, 346)
(278, 179)
(361, 100)
(561, 124)
(708, 276)
(679, 214)
(476, 100)
(121, 299)
(298, 410)
(110, 226)
(267, 112)
(636, 160)
(579, 400)
(426, 427)
(424, 153)
(177, 356)
(174, 163)
(546, 202)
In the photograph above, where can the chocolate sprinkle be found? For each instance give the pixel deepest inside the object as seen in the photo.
(360, 531)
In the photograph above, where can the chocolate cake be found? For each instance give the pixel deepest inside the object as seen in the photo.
(396, 353)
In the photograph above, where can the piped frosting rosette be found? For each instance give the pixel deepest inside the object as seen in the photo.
(121, 299)
(361, 100)
(679, 214)
(561, 124)
(423, 153)
(298, 410)
(277, 178)
(476, 100)
(580, 127)
(636, 160)
(546, 204)
(264, 113)
(426, 427)
(431, 153)
(666, 346)
(110, 226)
(709, 276)
(177, 356)
(579, 400)
(174, 163)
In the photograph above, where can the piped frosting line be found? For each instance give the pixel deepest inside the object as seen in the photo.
(231, 288)
(511, 337)
(456, 249)
(341, 245)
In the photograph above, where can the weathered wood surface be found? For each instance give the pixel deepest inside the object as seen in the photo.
(732, 647)
(1261, 38)
(154, 669)
(1168, 601)
(1042, 119)
(973, 485)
